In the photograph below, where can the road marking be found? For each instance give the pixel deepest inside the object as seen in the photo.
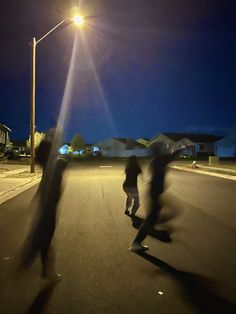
(105, 166)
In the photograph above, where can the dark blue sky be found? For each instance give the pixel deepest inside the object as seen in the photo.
(148, 66)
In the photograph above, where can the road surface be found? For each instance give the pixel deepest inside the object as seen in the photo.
(195, 273)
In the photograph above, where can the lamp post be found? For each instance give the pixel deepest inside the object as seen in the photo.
(78, 20)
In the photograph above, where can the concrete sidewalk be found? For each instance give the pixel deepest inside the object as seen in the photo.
(226, 171)
(15, 180)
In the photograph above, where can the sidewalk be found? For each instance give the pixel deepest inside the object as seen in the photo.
(15, 179)
(222, 170)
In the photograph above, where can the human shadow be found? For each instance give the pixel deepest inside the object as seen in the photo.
(199, 289)
(40, 302)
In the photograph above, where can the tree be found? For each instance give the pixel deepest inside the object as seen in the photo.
(77, 142)
(38, 138)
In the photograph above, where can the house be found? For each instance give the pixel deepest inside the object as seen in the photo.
(226, 147)
(64, 149)
(121, 147)
(143, 141)
(172, 139)
(196, 144)
(4, 137)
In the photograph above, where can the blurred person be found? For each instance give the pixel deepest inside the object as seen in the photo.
(130, 187)
(46, 199)
(161, 158)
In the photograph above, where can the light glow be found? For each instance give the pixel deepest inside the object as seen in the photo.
(78, 20)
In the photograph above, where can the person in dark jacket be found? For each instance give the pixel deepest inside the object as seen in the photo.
(161, 158)
(46, 198)
(130, 186)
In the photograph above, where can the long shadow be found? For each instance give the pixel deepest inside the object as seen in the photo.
(40, 302)
(199, 289)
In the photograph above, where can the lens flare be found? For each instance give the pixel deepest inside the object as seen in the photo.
(101, 93)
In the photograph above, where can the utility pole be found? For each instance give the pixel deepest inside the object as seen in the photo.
(32, 109)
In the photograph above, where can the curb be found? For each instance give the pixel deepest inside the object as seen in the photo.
(214, 174)
(7, 195)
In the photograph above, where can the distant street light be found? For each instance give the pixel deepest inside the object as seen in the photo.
(78, 20)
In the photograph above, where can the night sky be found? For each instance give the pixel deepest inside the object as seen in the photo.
(140, 67)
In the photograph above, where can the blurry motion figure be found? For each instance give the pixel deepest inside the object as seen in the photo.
(46, 198)
(130, 187)
(161, 158)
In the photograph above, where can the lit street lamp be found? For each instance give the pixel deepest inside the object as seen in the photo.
(78, 20)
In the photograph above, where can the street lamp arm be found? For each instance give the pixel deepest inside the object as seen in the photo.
(38, 41)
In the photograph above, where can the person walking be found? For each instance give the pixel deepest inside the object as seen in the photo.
(161, 158)
(130, 187)
(46, 198)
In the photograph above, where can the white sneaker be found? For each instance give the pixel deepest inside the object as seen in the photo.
(137, 247)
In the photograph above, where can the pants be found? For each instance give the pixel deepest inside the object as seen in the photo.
(149, 222)
(40, 242)
(47, 252)
(132, 195)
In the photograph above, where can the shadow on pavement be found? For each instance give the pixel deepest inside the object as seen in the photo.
(199, 290)
(40, 302)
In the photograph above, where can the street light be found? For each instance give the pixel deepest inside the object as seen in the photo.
(78, 20)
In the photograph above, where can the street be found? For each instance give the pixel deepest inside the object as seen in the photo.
(195, 273)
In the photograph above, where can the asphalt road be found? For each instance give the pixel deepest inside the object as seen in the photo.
(195, 273)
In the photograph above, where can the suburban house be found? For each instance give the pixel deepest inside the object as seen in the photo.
(143, 141)
(4, 137)
(64, 149)
(226, 147)
(121, 147)
(196, 144)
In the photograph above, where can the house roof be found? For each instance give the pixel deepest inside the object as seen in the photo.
(143, 141)
(229, 139)
(3, 127)
(65, 144)
(129, 142)
(196, 138)
(121, 139)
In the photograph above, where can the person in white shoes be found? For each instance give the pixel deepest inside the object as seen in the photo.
(161, 158)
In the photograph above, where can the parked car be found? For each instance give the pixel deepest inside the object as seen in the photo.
(12, 152)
